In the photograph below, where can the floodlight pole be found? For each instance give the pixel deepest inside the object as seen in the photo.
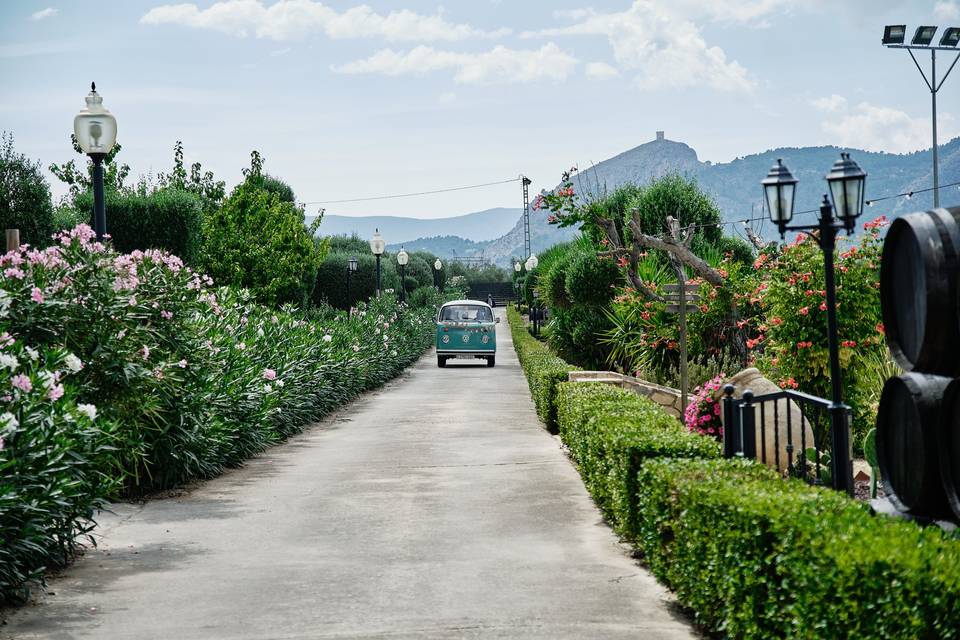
(934, 87)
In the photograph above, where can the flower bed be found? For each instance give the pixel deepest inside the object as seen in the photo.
(145, 376)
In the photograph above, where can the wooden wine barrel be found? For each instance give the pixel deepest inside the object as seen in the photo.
(949, 445)
(918, 291)
(907, 426)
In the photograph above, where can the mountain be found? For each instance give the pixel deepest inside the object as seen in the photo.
(479, 226)
(734, 186)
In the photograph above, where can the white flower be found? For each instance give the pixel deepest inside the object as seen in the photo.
(32, 353)
(260, 332)
(8, 361)
(356, 347)
(88, 410)
(327, 338)
(279, 382)
(241, 346)
(4, 303)
(47, 379)
(73, 363)
(267, 388)
(8, 421)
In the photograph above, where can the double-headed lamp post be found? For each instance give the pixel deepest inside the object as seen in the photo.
(530, 265)
(846, 181)
(351, 269)
(402, 259)
(377, 246)
(95, 129)
(437, 266)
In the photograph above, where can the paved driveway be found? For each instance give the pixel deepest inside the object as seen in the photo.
(435, 507)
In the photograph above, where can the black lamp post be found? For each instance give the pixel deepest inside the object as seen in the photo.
(377, 246)
(402, 259)
(95, 129)
(516, 282)
(846, 181)
(437, 266)
(351, 269)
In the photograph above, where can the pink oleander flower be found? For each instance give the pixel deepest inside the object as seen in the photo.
(269, 374)
(166, 315)
(56, 392)
(21, 382)
(36, 295)
(145, 352)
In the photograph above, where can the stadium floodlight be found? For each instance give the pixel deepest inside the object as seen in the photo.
(951, 37)
(894, 33)
(924, 36)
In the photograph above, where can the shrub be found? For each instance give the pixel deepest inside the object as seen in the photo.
(25, 202)
(259, 242)
(756, 556)
(544, 370)
(331, 284)
(166, 219)
(611, 433)
(186, 379)
(590, 280)
(702, 414)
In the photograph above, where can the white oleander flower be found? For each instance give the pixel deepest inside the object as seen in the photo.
(8, 361)
(73, 363)
(88, 410)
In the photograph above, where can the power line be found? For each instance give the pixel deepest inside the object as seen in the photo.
(419, 193)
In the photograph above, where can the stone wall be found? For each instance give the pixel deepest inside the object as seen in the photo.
(666, 397)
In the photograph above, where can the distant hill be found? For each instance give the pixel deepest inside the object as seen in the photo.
(479, 226)
(735, 186)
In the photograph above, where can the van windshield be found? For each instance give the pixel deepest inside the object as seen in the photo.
(465, 313)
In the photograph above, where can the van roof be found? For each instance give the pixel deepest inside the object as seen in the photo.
(476, 302)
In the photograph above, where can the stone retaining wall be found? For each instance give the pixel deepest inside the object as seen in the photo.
(666, 397)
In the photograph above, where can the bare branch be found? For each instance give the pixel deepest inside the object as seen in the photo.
(683, 253)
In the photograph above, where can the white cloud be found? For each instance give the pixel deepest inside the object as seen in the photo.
(830, 104)
(280, 52)
(601, 70)
(878, 128)
(43, 14)
(946, 10)
(665, 48)
(297, 19)
(447, 97)
(500, 65)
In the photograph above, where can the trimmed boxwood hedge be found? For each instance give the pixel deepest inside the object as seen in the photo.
(757, 556)
(611, 433)
(544, 370)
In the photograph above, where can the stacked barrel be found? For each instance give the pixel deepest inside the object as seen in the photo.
(918, 424)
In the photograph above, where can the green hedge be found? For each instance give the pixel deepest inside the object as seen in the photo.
(756, 556)
(168, 219)
(611, 433)
(544, 370)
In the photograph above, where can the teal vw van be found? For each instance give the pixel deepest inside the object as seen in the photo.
(466, 329)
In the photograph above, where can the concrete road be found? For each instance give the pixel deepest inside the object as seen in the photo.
(435, 507)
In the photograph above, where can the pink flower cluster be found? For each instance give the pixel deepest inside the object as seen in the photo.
(702, 415)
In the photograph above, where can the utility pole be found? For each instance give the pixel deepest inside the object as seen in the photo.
(525, 181)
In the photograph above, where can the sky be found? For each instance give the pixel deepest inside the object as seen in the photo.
(348, 100)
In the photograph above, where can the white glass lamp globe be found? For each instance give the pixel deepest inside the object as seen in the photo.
(517, 267)
(377, 243)
(94, 127)
(402, 258)
(438, 265)
(532, 262)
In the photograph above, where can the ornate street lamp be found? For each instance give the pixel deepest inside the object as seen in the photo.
(351, 269)
(437, 266)
(377, 246)
(846, 181)
(95, 129)
(402, 260)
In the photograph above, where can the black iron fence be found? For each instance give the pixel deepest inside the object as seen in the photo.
(787, 430)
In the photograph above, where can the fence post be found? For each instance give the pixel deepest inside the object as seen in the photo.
(13, 239)
(731, 426)
(748, 422)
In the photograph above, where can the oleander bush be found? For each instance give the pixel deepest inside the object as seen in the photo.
(544, 370)
(177, 380)
(756, 556)
(611, 433)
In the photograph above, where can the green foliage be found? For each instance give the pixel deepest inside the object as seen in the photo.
(611, 434)
(331, 286)
(544, 370)
(169, 219)
(259, 242)
(756, 556)
(80, 181)
(25, 202)
(198, 182)
(66, 218)
(870, 453)
(590, 280)
(680, 197)
(186, 379)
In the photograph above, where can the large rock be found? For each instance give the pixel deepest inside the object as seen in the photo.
(667, 397)
(773, 429)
